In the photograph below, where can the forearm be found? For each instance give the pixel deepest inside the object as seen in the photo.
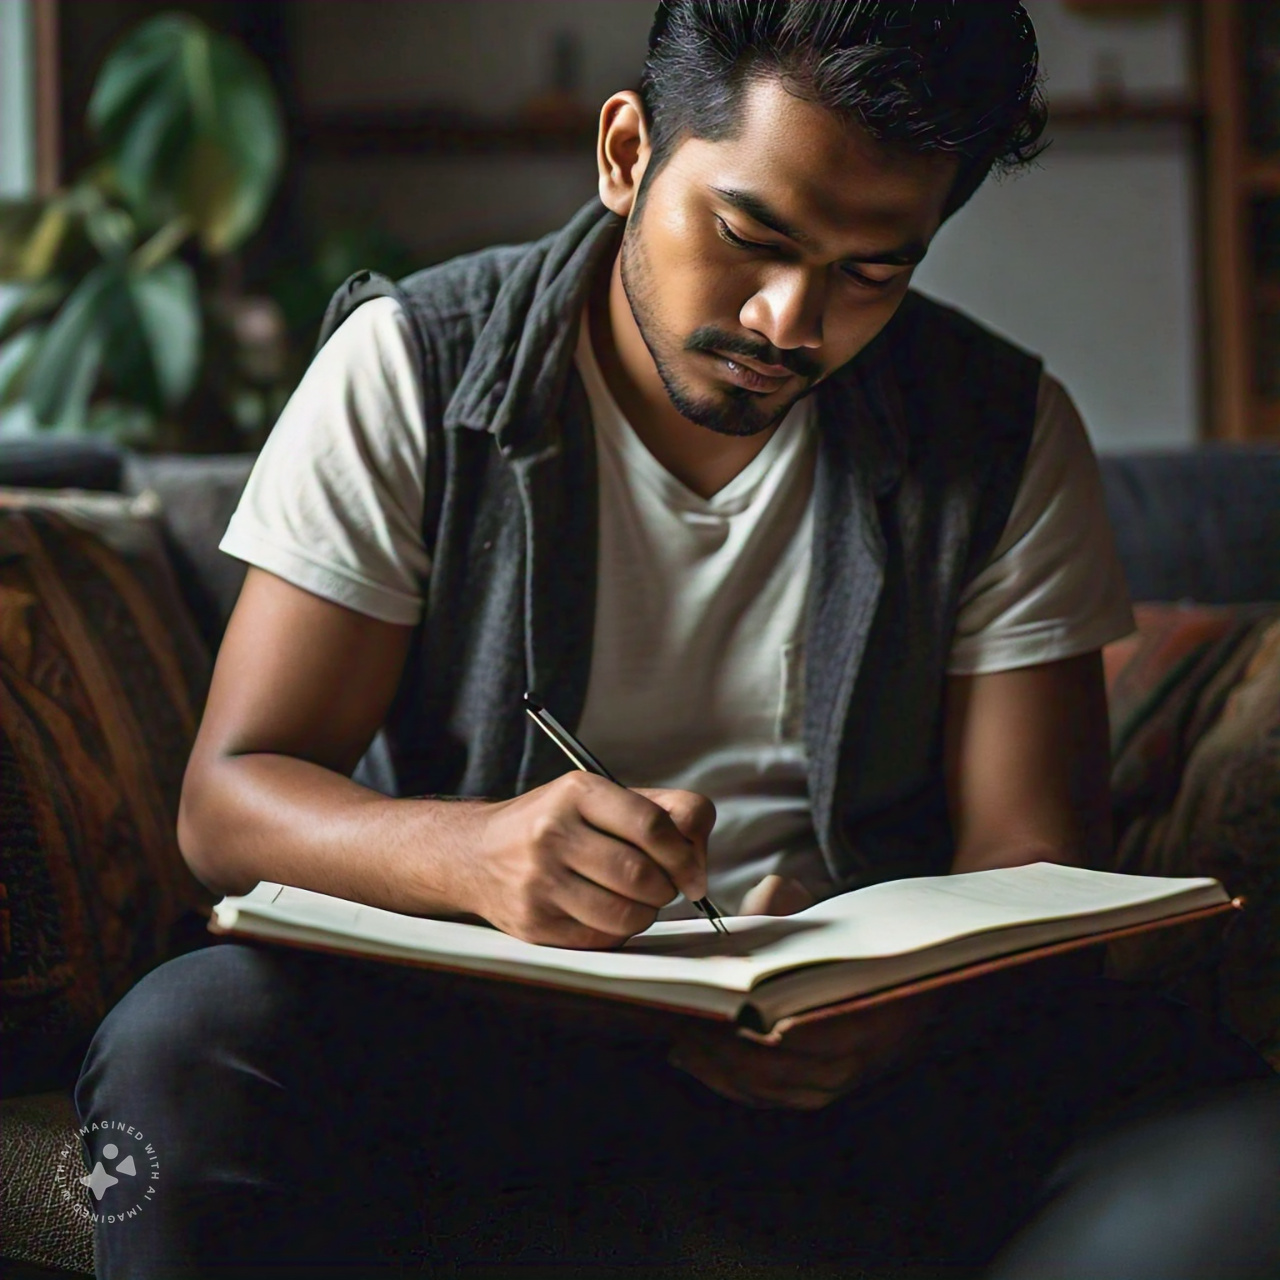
(270, 817)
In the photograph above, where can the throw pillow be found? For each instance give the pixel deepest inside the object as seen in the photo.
(102, 677)
(1195, 707)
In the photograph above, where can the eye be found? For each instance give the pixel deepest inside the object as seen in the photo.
(725, 234)
(865, 281)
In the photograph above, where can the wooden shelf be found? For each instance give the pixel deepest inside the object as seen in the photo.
(1125, 8)
(363, 131)
(1084, 113)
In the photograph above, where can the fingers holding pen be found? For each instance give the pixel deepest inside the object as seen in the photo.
(668, 827)
(581, 862)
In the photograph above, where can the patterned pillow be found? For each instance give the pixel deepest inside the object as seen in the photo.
(1195, 705)
(102, 677)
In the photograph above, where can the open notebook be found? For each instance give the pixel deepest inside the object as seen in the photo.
(887, 938)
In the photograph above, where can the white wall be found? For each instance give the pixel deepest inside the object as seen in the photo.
(17, 153)
(17, 100)
(1090, 258)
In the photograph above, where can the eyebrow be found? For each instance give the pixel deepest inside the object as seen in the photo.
(906, 255)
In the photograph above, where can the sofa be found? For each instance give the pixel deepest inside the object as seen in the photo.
(113, 597)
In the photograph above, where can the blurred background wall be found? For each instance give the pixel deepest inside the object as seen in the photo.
(1090, 259)
(419, 130)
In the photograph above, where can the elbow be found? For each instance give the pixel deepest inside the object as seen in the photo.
(196, 832)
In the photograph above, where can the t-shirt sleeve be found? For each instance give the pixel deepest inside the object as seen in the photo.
(334, 503)
(1054, 587)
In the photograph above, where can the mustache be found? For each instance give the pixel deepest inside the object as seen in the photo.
(716, 341)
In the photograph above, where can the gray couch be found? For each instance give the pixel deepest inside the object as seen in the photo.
(1201, 524)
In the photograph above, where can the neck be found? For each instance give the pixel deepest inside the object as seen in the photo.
(703, 460)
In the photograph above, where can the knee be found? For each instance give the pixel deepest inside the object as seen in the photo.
(1192, 1193)
(219, 1002)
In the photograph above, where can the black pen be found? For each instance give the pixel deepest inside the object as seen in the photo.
(588, 763)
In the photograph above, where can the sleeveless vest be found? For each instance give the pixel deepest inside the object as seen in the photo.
(922, 441)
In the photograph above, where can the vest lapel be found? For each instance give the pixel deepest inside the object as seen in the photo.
(861, 453)
(558, 494)
(520, 386)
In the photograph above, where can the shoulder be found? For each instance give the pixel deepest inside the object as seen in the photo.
(377, 329)
(441, 311)
(928, 334)
(463, 290)
(1061, 455)
(452, 302)
(920, 316)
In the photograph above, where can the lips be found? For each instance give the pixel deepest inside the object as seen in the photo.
(747, 374)
(764, 370)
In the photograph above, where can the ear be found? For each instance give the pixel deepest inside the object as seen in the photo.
(622, 151)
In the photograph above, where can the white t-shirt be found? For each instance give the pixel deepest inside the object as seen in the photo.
(697, 659)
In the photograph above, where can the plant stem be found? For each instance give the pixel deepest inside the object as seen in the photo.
(153, 252)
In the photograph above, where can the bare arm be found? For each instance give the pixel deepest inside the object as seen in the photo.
(1027, 758)
(300, 688)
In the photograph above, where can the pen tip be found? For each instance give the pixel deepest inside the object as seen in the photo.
(531, 702)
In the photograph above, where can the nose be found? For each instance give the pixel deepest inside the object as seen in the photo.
(787, 308)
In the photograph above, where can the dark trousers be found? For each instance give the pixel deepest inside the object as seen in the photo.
(297, 1114)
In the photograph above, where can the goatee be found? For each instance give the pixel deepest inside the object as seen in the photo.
(735, 411)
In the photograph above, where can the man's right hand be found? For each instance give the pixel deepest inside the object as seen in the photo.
(582, 862)
(300, 688)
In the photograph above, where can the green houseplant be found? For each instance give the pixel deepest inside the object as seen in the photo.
(117, 290)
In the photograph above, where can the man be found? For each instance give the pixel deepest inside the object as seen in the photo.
(818, 567)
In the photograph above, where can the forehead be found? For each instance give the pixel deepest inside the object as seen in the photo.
(824, 174)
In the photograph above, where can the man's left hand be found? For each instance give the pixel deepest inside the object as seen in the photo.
(816, 1063)
(813, 1066)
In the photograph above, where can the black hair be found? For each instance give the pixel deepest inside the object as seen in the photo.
(953, 76)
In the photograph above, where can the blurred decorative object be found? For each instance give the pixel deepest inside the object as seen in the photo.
(122, 278)
(1108, 78)
(559, 106)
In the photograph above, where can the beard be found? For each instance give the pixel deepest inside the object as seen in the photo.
(731, 411)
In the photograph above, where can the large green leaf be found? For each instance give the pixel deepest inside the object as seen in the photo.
(29, 305)
(192, 128)
(167, 304)
(17, 354)
(135, 333)
(66, 365)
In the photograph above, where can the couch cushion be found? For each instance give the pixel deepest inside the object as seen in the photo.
(44, 463)
(198, 495)
(102, 677)
(1197, 524)
(1195, 704)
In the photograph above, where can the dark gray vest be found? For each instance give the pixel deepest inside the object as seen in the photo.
(923, 438)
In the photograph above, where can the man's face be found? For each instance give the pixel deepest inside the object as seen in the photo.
(757, 266)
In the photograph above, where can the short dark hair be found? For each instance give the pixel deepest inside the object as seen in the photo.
(954, 76)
